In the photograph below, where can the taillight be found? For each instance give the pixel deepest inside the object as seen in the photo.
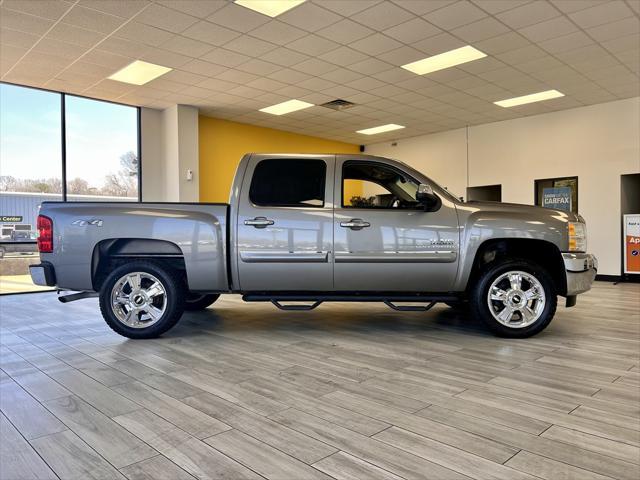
(45, 234)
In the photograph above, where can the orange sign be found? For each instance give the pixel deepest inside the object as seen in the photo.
(632, 244)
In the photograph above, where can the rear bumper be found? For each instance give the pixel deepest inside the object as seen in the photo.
(43, 274)
(581, 269)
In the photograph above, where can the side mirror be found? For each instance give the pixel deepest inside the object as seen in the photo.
(427, 198)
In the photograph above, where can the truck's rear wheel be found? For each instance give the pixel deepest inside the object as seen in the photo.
(199, 301)
(515, 298)
(142, 299)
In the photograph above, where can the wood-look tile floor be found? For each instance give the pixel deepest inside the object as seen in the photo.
(348, 391)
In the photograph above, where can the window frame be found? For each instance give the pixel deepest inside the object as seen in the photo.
(274, 205)
(63, 133)
(374, 163)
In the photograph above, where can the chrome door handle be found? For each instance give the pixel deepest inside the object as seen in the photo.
(355, 224)
(259, 222)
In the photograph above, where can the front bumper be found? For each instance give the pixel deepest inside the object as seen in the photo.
(581, 269)
(43, 274)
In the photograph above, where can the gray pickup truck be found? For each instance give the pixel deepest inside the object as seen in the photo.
(294, 235)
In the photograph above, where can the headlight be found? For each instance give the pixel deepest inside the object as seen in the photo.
(577, 237)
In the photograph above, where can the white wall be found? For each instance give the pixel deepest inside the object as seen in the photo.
(169, 140)
(596, 143)
(152, 156)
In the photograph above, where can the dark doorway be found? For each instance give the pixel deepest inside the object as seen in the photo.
(487, 193)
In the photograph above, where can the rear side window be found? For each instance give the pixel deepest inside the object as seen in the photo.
(288, 183)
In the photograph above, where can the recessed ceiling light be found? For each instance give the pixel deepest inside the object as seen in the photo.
(286, 107)
(272, 8)
(534, 97)
(381, 129)
(139, 73)
(445, 60)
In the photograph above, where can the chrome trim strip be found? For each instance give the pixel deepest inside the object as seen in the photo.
(434, 256)
(284, 257)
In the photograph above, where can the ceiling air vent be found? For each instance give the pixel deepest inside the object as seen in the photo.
(338, 104)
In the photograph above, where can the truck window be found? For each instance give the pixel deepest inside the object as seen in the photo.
(288, 183)
(377, 186)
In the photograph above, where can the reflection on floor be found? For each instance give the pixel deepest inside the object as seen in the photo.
(345, 391)
(19, 284)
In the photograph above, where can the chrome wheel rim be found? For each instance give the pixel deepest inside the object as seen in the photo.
(138, 300)
(516, 299)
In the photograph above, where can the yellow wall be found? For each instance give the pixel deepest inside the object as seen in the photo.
(223, 143)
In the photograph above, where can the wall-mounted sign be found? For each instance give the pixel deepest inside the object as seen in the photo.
(11, 218)
(632, 243)
(557, 197)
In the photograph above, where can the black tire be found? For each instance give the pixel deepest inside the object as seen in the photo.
(173, 285)
(479, 297)
(199, 301)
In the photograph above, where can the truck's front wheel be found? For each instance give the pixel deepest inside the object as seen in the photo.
(142, 299)
(515, 298)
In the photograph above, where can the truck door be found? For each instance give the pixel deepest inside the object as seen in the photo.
(285, 223)
(384, 240)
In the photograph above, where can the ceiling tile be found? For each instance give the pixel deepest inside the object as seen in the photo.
(278, 32)
(310, 17)
(251, 46)
(201, 67)
(343, 56)
(196, 8)
(314, 66)
(602, 13)
(621, 28)
(528, 14)
(502, 43)
(345, 31)
(375, 44)
(421, 7)
(76, 35)
(16, 38)
(92, 19)
(121, 46)
(566, 42)
(382, 16)
(440, 43)
(313, 45)
(347, 7)
(165, 18)
(165, 58)
(412, 31)
(50, 9)
(187, 46)
(210, 33)
(289, 76)
(556, 27)
(146, 34)
(227, 58)
(343, 75)
(371, 66)
(401, 56)
(284, 57)
(480, 30)
(258, 67)
(24, 22)
(120, 8)
(497, 6)
(238, 18)
(455, 15)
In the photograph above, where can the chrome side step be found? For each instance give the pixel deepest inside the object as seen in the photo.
(77, 296)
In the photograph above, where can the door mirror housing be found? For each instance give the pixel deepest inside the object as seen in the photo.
(429, 200)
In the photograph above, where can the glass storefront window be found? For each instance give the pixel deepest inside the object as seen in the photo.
(102, 164)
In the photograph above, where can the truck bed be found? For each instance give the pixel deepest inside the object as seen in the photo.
(86, 231)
